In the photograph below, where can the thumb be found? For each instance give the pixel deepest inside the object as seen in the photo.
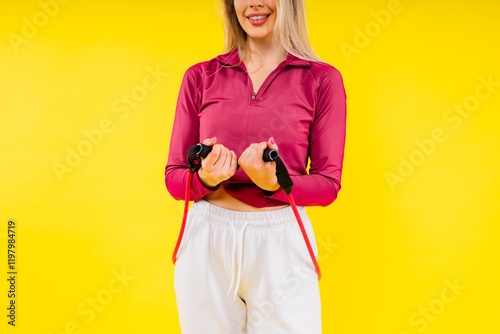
(210, 141)
(271, 144)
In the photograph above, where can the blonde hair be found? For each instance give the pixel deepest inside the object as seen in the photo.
(290, 29)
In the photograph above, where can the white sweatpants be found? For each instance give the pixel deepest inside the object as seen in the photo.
(246, 272)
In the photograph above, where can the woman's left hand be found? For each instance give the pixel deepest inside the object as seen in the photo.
(263, 174)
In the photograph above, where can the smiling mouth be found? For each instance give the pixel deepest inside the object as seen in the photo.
(258, 17)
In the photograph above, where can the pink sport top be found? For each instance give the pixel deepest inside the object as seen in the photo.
(302, 104)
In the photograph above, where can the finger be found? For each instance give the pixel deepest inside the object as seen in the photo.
(212, 157)
(271, 144)
(257, 159)
(221, 158)
(221, 162)
(262, 146)
(233, 162)
(255, 150)
(210, 141)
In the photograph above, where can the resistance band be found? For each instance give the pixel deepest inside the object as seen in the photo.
(198, 151)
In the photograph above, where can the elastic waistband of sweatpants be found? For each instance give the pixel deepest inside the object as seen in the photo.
(257, 219)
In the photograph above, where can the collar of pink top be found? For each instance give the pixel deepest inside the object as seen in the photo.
(232, 58)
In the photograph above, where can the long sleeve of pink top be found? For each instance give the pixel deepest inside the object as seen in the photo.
(302, 104)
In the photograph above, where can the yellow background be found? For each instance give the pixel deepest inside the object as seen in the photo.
(386, 252)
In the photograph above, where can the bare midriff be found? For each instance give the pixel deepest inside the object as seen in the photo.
(221, 198)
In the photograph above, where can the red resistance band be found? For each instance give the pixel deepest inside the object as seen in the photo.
(284, 180)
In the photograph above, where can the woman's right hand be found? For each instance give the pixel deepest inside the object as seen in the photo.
(219, 165)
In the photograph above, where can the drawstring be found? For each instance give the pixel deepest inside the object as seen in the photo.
(240, 255)
(240, 260)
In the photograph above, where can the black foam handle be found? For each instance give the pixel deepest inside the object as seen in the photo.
(284, 179)
(204, 151)
(270, 155)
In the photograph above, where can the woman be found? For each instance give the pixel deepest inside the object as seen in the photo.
(243, 266)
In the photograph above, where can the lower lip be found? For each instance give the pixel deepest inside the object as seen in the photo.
(258, 22)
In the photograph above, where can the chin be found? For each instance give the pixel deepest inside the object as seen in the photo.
(259, 36)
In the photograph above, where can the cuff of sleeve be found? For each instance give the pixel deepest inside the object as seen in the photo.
(270, 193)
(277, 195)
(197, 180)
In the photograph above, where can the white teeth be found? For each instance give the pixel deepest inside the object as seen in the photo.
(257, 17)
